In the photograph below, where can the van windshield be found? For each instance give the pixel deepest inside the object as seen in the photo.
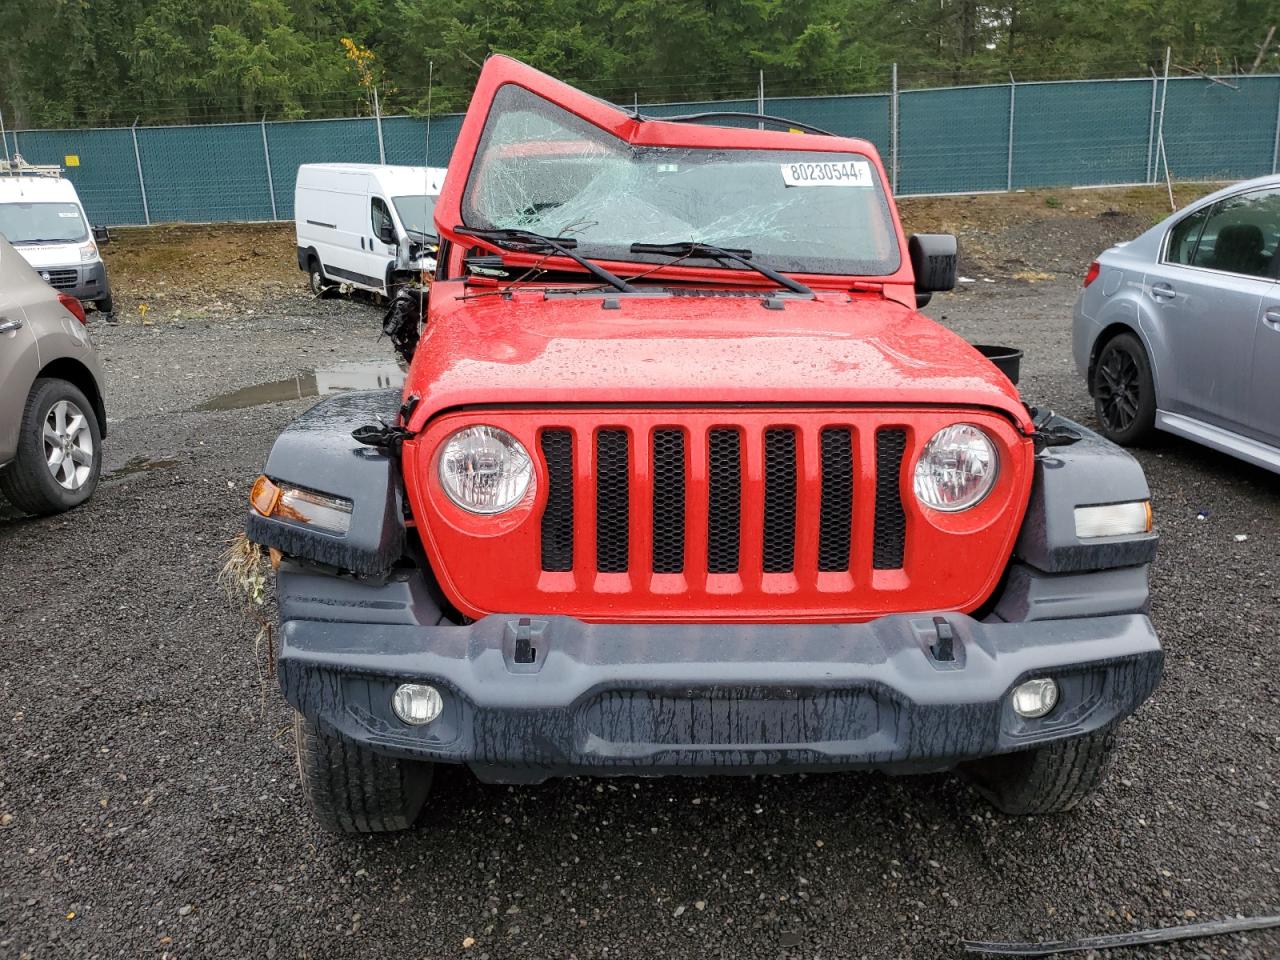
(540, 168)
(417, 213)
(42, 223)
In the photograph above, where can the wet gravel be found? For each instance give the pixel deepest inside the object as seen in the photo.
(149, 804)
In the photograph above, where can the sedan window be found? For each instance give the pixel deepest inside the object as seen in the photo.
(1241, 235)
(1185, 235)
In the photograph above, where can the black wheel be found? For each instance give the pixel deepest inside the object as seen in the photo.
(351, 789)
(106, 305)
(1049, 779)
(315, 278)
(1124, 395)
(59, 451)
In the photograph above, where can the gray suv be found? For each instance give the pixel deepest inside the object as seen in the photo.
(52, 417)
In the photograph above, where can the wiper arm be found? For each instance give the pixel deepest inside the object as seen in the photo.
(529, 241)
(711, 252)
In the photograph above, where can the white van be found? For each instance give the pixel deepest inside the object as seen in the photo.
(365, 224)
(41, 215)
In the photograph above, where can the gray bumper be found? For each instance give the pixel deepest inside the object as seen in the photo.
(87, 281)
(655, 699)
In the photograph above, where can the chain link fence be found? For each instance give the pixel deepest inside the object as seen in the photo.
(962, 139)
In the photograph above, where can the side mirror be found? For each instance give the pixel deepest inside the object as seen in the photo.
(101, 235)
(387, 234)
(933, 260)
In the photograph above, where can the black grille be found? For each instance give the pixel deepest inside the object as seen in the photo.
(668, 501)
(613, 506)
(837, 499)
(779, 501)
(724, 500)
(891, 521)
(557, 518)
(62, 279)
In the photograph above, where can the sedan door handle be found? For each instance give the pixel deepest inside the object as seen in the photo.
(1272, 318)
(8, 326)
(1162, 291)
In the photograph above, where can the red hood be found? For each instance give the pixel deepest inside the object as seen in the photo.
(837, 349)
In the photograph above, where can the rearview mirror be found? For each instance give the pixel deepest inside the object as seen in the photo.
(933, 260)
(101, 235)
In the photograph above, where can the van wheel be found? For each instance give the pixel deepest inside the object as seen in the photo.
(1049, 779)
(315, 278)
(106, 305)
(351, 789)
(59, 451)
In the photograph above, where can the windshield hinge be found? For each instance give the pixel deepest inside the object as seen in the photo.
(866, 286)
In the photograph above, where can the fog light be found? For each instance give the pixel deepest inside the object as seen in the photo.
(1035, 698)
(417, 703)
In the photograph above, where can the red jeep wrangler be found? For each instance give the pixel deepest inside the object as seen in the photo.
(681, 482)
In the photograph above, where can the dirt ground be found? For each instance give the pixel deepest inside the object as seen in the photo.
(183, 272)
(149, 803)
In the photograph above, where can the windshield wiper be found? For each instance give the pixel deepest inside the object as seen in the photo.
(690, 248)
(529, 241)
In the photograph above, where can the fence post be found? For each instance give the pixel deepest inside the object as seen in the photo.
(1164, 96)
(1275, 148)
(3, 138)
(377, 112)
(271, 183)
(1013, 86)
(760, 101)
(893, 131)
(1151, 127)
(142, 183)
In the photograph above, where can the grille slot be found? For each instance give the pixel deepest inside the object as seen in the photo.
(557, 518)
(724, 500)
(668, 501)
(62, 279)
(613, 501)
(779, 501)
(837, 500)
(891, 519)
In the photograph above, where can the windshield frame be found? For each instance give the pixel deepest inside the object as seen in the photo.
(500, 71)
(84, 237)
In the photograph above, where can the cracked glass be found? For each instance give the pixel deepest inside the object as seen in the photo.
(540, 168)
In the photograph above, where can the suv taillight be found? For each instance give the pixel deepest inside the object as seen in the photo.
(1091, 274)
(74, 306)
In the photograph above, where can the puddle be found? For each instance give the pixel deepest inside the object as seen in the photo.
(140, 465)
(320, 382)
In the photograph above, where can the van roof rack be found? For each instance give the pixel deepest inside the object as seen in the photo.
(17, 167)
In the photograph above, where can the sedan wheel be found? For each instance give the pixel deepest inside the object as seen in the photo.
(1123, 391)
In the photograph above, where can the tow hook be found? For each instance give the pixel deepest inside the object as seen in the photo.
(526, 652)
(943, 649)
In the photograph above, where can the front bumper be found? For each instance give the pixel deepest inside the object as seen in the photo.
(673, 698)
(84, 281)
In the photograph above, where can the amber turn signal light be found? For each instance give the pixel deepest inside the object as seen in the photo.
(296, 505)
(264, 496)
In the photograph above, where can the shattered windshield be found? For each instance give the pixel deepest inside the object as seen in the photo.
(48, 222)
(540, 168)
(417, 213)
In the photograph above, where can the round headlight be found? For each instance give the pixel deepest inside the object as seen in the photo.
(957, 468)
(484, 469)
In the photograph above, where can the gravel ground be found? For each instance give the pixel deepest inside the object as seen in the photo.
(149, 804)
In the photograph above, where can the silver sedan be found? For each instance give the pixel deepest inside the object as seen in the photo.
(1179, 329)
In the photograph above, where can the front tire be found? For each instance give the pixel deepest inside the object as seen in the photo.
(351, 789)
(106, 306)
(1049, 779)
(315, 278)
(59, 455)
(1124, 393)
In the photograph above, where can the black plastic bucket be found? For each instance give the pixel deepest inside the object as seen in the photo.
(1008, 360)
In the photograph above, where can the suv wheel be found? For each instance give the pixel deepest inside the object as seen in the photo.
(1049, 779)
(1124, 394)
(59, 451)
(351, 789)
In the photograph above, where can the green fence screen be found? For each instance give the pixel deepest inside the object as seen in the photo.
(949, 140)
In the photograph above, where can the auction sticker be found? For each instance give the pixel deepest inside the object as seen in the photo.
(828, 173)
